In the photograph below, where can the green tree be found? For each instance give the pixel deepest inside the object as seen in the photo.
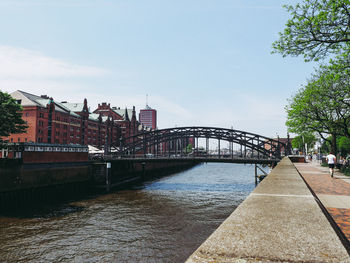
(300, 140)
(321, 106)
(316, 28)
(188, 148)
(344, 146)
(10, 116)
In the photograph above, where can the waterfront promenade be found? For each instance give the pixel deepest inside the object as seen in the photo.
(286, 219)
(332, 193)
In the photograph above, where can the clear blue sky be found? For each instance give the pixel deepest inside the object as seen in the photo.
(202, 62)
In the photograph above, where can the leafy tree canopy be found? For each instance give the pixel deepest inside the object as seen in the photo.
(322, 106)
(300, 140)
(344, 146)
(316, 28)
(10, 117)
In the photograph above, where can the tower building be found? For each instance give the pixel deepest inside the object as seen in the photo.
(148, 117)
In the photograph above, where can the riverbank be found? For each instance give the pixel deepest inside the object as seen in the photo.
(31, 184)
(162, 220)
(280, 221)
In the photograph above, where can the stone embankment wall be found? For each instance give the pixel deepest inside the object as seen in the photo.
(23, 184)
(280, 221)
(128, 171)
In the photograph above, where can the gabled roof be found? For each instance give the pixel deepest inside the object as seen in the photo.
(121, 112)
(75, 107)
(93, 116)
(28, 99)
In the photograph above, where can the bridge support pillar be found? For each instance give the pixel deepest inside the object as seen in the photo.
(207, 146)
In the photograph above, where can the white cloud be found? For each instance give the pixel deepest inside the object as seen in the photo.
(20, 63)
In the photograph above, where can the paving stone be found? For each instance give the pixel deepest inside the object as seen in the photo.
(333, 193)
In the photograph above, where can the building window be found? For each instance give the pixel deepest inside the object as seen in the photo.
(11, 139)
(19, 139)
(25, 139)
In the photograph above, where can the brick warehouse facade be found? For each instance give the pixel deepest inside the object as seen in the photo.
(55, 122)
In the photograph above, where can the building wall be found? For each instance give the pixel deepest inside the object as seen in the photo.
(54, 123)
(65, 129)
(148, 117)
(105, 110)
(30, 117)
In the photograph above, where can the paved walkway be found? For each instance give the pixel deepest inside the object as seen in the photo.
(280, 221)
(333, 193)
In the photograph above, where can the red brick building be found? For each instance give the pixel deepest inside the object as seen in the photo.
(148, 117)
(55, 122)
(129, 126)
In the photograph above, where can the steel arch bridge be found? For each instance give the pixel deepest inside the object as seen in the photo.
(173, 141)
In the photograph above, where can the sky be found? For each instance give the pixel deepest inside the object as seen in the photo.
(201, 62)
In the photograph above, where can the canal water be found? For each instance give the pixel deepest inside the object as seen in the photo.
(164, 220)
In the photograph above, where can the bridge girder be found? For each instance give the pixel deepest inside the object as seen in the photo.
(261, 144)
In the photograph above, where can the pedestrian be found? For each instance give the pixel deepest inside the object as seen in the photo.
(331, 160)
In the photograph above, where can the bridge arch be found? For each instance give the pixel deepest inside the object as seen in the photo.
(155, 141)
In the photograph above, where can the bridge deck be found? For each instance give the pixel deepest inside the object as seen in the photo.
(199, 159)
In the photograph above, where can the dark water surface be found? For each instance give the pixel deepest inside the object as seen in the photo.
(160, 221)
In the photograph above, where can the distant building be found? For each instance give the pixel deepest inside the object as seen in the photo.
(124, 118)
(53, 122)
(286, 141)
(148, 117)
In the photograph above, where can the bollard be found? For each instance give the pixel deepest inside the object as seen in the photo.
(108, 179)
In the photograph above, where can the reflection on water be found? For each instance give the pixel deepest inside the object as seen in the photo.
(160, 221)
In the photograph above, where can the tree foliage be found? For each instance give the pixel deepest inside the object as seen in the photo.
(10, 116)
(322, 106)
(300, 140)
(344, 146)
(316, 28)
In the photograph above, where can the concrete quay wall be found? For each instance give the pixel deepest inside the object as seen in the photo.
(122, 172)
(26, 184)
(280, 221)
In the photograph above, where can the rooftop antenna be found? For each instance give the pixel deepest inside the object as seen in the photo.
(147, 107)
